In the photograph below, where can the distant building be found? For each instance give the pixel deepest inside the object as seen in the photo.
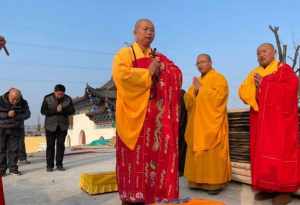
(95, 115)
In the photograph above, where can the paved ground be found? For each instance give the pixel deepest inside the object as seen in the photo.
(37, 187)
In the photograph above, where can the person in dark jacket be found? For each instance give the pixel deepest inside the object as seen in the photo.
(13, 111)
(182, 143)
(57, 107)
(22, 155)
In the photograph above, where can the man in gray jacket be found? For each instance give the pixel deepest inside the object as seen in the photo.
(57, 107)
(13, 111)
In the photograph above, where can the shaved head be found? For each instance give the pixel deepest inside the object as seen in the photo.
(206, 56)
(269, 45)
(140, 21)
(266, 54)
(14, 95)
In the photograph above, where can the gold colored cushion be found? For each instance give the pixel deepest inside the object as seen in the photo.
(98, 183)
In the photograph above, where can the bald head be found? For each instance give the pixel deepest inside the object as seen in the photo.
(266, 54)
(14, 96)
(141, 21)
(144, 32)
(204, 55)
(266, 45)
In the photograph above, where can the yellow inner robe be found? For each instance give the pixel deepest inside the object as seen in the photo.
(207, 160)
(133, 91)
(247, 90)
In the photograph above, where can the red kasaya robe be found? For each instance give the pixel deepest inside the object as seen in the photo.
(275, 142)
(149, 172)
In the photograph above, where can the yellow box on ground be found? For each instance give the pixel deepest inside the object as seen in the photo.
(98, 183)
(35, 143)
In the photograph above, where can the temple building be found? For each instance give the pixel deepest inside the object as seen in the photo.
(95, 115)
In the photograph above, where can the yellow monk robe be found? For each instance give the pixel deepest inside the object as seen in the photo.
(247, 91)
(133, 91)
(208, 162)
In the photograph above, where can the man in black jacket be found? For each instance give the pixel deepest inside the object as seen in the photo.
(13, 111)
(57, 107)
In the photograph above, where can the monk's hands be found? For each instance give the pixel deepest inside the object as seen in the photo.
(257, 79)
(196, 84)
(155, 66)
(2, 42)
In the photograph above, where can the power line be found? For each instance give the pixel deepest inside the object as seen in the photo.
(54, 65)
(35, 45)
(46, 81)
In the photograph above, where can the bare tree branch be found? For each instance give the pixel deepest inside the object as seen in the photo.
(284, 53)
(275, 30)
(296, 57)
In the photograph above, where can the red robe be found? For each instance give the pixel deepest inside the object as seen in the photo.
(275, 142)
(2, 202)
(149, 173)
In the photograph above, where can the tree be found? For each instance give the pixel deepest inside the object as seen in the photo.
(282, 53)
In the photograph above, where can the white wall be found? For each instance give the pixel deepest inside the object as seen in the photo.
(82, 122)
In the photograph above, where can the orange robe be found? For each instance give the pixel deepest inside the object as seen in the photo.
(208, 160)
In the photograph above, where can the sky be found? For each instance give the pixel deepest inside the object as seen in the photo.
(73, 42)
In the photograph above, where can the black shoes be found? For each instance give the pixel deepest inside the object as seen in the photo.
(60, 168)
(15, 172)
(49, 169)
(24, 162)
(3, 173)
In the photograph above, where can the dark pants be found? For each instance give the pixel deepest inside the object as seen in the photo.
(22, 149)
(9, 145)
(57, 137)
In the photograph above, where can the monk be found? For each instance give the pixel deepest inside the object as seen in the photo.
(207, 163)
(271, 92)
(147, 114)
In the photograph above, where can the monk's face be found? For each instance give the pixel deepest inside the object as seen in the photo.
(144, 33)
(203, 64)
(265, 55)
